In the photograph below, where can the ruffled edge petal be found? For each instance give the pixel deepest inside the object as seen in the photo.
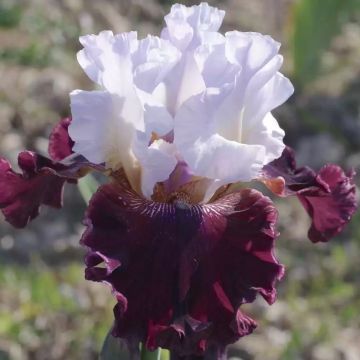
(329, 196)
(330, 211)
(185, 26)
(212, 268)
(40, 182)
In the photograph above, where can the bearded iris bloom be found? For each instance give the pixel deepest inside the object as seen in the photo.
(175, 122)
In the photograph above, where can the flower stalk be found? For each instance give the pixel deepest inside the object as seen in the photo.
(151, 355)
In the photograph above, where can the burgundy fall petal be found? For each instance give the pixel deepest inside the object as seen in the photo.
(41, 183)
(180, 272)
(284, 178)
(22, 194)
(328, 196)
(330, 210)
(60, 143)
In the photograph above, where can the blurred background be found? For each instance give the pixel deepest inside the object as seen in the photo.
(47, 310)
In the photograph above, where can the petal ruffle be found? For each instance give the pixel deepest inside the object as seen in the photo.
(331, 210)
(103, 127)
(41, 183)
(227, 132)
(60, 143)
(328, 196)
(106, 58)
(186, 25)
(193, 264)
(22, 195)
(152, 61)
(117, 60)
(207, 153)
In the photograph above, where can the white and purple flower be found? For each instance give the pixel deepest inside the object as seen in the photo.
(176, 120)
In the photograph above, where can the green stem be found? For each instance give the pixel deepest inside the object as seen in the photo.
(150, 355)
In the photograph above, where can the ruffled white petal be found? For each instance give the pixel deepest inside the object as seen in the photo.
(157, 162)
(215, 68)
(245, 107)
(269, 134)
(243, 116)
(228, 133)
(183, 82)
(106, 58)
(260, 101)
(152, 61)
(186, 25)
(250, 50)
(206, 152)
(103, 130)
(157, 119)
(92, 115)
(112, 60)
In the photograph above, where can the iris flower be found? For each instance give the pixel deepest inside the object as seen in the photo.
(176, 121)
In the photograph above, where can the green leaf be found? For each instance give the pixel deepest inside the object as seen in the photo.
(165, 354)
(150, 355)
(87, 186)
(113, 349)
(316, 22)
(10, 16)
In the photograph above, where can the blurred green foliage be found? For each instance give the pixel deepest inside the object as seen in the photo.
(32, 55)
(40, 302)
(10, 15)
(315, 23)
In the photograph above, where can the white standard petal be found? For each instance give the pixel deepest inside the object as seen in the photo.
(246, 118)
(259, 101)
(183, 82)
(215, 68)
(241, 54)
(186, 25)
(157, 120)
(152, 61)
(258, 88)
(250, 50)
(91, 114)
(103, 129)
(270, 135)
(106, 58)
(157, 162)
(245, 106)
(206, 152)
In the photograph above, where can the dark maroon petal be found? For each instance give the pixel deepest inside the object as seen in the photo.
(330, 210)
(180, 272)
(328, 196)
(284, 178)
(60, 143)
(40, 183)
(22, 194)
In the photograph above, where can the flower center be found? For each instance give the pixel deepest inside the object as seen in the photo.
(180, 199)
